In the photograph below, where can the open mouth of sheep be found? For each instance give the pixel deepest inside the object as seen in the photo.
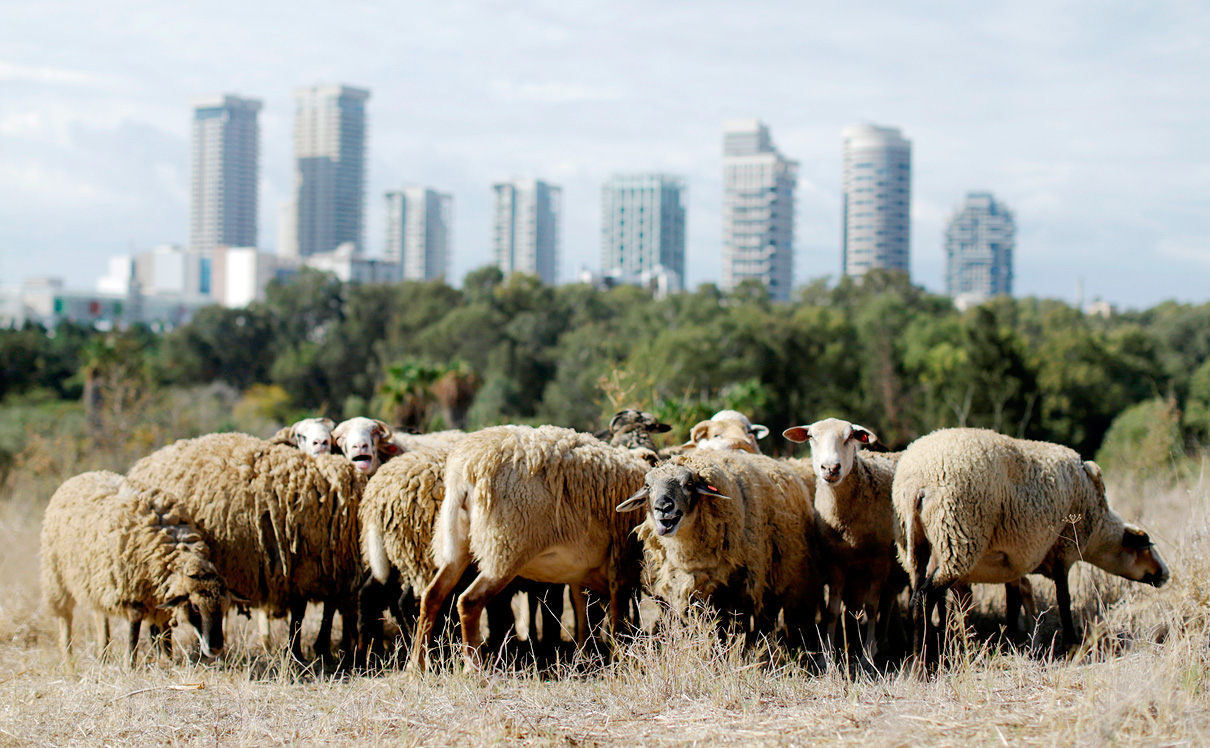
(666, 527)
(362, 461)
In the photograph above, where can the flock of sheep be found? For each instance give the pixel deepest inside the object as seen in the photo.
(365, 520)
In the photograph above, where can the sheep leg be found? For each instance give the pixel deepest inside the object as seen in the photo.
(65, 631)
(262, 627)
(370, 606)
(348, 627)
(101, 623)
(132, 641)
(1063, 600)
(1012, 609)
(579, 605)
(161, 639)
(298, 611)
(470, 607)
(835, 600)
(443, 584)
(323, 638)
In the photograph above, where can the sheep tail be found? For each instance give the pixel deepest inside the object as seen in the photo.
(451, 541)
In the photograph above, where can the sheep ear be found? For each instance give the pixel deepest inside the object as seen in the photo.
(236, 599)
(660, 428)
(617, 418)
(1095, 475)
(698, 431)
(864, 435)
(797, 433)
(174, 602)
(1136, 539)
(707, 490)
(759, 430)
(390, 448)
(284, 435)
(634, 502)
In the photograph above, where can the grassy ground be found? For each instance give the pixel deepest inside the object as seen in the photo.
(1143, 678)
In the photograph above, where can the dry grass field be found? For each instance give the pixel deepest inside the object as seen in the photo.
(1142, 678)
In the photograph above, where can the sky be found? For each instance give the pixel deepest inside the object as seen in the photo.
(1090, 120)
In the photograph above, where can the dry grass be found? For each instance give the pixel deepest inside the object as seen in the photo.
(1143, 678)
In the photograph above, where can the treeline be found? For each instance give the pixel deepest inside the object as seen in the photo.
(880, 352)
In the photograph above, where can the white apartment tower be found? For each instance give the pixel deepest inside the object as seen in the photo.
(876, 228)
(643, 228)
(328, 209)
(758, 209)
(979, 242)
(224, 172)
(525, 228)
(419, 222)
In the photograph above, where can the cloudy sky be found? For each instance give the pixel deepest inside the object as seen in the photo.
(1090, 119)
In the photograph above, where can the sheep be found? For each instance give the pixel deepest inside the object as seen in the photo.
(313, 436)
(735, 529)
(856, 524)
(976, 506)
(727, 429)
(409, 442)
(536, 503)
(282, 526)
(128, 550)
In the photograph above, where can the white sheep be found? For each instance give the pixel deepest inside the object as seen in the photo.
(129, 551)
(976, 506)
(312, 436)
(536, 503)
(856, 524)
(727, 430)
(736, 530)
(282, 526)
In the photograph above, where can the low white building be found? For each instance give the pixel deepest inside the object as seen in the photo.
(352, 267)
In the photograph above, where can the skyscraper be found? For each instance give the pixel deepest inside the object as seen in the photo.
(224, 171)
(979, 242)
(419, 222)
(876, 231)
(329, 169)
(758, 209)
(525, 232)
(643, 228)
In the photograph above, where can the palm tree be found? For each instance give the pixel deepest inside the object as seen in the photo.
(404, 393)
(454, 390)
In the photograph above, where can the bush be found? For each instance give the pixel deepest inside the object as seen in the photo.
(1145, 439)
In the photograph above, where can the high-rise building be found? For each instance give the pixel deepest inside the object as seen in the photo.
(525, 227)
(329, 170)
(419, 223)
(979, 243)
(224, 165)
(876, 230)
(643, 228)
(758, 209)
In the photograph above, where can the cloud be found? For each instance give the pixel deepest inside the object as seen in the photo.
(1185, 249)
(554, 92)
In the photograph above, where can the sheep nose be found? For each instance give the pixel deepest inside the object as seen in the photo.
(831, 471)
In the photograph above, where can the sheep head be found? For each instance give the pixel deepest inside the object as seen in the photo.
(834, 445)
(671, 494)
(633, 428)
(364, 441)
(727, 430)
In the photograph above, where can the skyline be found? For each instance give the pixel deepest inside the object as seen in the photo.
(1087, 119)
